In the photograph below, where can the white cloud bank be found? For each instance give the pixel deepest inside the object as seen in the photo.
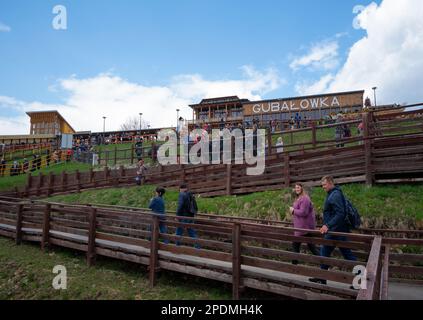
(390, 56)
(323, 55)
(88, 100)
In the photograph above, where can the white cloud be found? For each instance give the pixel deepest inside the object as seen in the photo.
(323, 55)
(390, 56)
(318, 87)
(88, 100)
(4, 28)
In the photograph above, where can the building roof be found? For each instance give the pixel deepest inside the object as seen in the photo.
(30, 113)
(220, 100)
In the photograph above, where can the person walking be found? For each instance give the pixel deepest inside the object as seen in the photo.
(334, 214)
(157, 205)
(186, 208)
(141, 170)
(304, 217)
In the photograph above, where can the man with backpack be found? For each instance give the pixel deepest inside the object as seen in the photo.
(336, 218)
(187, 207)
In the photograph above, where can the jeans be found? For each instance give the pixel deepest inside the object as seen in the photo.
(191, 232)
(162, 229)
(326, 251)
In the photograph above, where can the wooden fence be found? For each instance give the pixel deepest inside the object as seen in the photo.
(390, 150)
(246, 255)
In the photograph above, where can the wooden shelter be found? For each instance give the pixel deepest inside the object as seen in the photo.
(49, 122)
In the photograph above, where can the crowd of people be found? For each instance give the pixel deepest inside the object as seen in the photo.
(37, 161)
(302, 210)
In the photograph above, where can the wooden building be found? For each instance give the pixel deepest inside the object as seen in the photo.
(236, 110)
(49, 122)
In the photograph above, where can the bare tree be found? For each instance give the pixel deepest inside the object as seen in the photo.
(133, 123)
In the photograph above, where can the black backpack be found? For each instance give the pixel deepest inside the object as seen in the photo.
(352, 217)
(193, 208)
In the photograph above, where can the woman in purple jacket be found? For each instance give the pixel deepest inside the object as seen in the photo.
(304, 218)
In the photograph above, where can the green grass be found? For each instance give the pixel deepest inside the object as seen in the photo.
(9, 183)
(389, 202)
(26, 273)
(123, 153)
(302, 137)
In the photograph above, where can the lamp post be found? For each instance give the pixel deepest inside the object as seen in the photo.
(140, 122)
(177, 120)
(104, 129)
(374, 93)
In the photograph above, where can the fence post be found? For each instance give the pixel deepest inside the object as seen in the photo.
(182, 168)
(313, 134)
(154, 248)
(64, 181)
(286, 170)
(99, 155)
(236, 260)
(46, 227)
(40, 183)
(28, 184)
(91, 255)
(106, 175)
(229, 179)
(384, 283)
(50, 184)
(269, 142)
(367, 150)
(78, 181)
(91, 174)
(115, 154)
(19, 218)
(132, 153)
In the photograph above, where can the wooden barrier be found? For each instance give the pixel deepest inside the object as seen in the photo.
(244, 254)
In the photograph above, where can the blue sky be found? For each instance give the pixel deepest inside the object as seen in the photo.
(152, 43)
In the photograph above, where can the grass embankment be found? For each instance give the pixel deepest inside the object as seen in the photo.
(381, 206)
(9, 183)
(26, 273)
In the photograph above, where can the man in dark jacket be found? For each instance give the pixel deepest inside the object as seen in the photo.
(334, 212)
(183, 210)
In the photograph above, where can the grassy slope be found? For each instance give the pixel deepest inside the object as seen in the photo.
(392, 202)
(26, 273)
(9, 183)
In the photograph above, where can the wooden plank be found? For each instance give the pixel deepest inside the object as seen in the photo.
(372, 268)
(337, 276)
(297, 293)
(385, 275)
(46, 227)
(236, 260)
(154, 248)
(406, 270)
(229, 179)
(91, 255)
(19, 218)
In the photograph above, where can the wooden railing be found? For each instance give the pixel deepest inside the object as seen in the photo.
(244, 254)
